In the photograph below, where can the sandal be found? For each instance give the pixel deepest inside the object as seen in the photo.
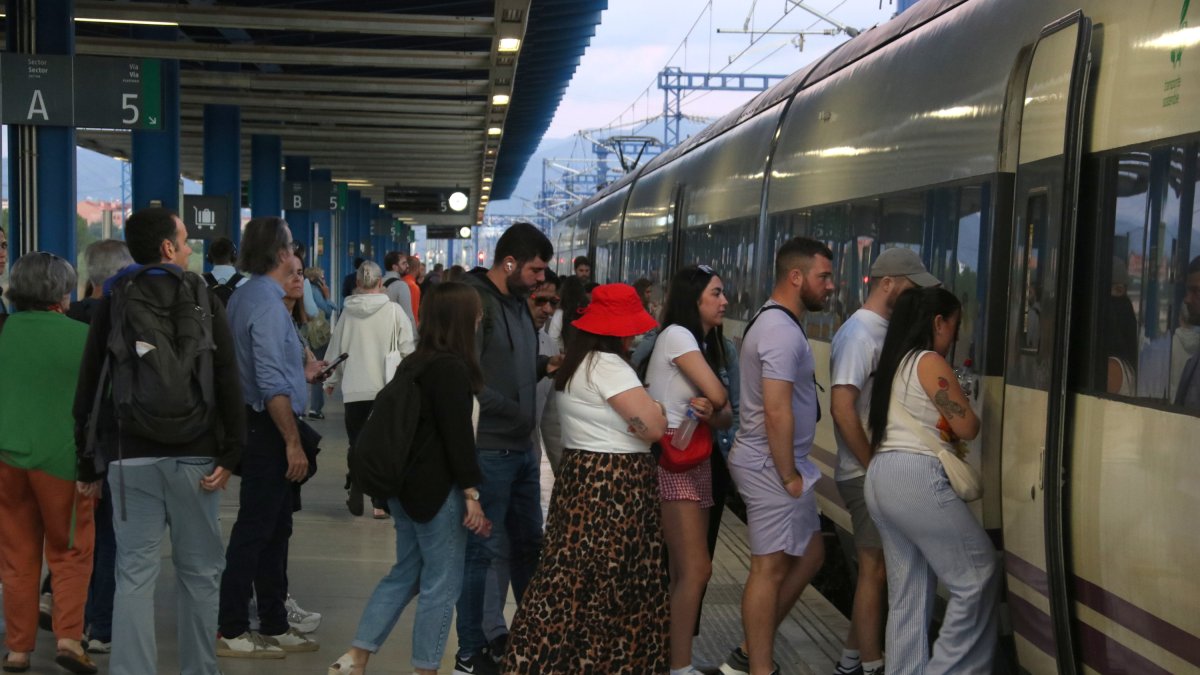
(11, 666)
(345, 666)
(76, 662)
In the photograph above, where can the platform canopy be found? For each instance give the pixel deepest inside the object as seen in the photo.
(437, 93)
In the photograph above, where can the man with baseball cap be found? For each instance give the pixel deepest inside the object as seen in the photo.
(856, 347)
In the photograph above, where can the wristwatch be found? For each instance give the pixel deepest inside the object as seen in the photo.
(472, 494)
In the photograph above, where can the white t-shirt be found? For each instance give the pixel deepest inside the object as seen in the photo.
(856, 347)
(665, 380)
(588, 421)
(908, 393)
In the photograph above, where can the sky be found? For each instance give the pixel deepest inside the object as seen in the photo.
(616, 82)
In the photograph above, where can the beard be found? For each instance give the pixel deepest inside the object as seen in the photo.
(813, 302)
(514, 284)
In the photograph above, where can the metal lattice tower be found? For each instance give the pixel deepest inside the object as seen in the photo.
(673, 81)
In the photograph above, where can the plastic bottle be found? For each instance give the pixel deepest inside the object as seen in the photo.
(966, 378)
(683, 434)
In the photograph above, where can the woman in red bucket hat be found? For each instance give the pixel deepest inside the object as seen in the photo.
(599, 595)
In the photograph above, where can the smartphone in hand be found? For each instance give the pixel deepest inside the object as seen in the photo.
(332, 364)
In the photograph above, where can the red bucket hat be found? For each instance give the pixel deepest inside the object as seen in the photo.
(615, 310)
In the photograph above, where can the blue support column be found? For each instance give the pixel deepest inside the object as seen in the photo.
(353, 230)
(156, 153)
(266, 156)
(322, 219)
(223, 160)
(296, 168)
(41, 159)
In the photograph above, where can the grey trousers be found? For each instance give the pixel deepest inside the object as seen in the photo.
(929, 535)
(161, 496)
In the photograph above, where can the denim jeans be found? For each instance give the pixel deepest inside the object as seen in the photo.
(510, 495)
(98, 612)
(429, 559)
(257, 555)
(159, 496)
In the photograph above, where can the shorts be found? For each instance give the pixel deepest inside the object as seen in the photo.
(776, 520)
(693, 485)
(866, 535)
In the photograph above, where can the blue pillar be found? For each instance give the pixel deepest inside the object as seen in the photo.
(223, 160)
(353, 230)
(365, 216)
(156, 153)
(41, 159)
(298, 168)
(266, 155)
(322, 219)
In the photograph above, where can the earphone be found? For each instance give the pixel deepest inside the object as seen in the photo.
(508, 266)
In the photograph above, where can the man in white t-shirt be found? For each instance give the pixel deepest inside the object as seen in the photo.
(856, 348)
(769, 460)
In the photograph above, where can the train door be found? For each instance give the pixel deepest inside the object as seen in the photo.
(1038, 334)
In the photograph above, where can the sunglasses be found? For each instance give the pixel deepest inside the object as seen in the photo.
(553, 301)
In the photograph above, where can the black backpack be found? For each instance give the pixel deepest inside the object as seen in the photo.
(223, 290)
(384, 447)
(160, 355)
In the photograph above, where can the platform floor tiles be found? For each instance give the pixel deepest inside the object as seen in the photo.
(336, 560)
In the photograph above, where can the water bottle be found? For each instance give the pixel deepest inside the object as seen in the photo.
(683, 435)
(966, 378)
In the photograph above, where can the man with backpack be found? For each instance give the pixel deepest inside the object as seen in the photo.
(274, 386)
(395, 266)
(158, 408)
(224, 278)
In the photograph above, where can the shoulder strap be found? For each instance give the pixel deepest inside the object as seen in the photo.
(210, 279)
(234, 280)
(781, 308)
(391, 281)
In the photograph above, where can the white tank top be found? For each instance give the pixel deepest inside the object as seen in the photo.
(908, 393)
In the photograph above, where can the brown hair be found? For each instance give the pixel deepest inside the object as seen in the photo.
(448, 314)
(579, 348)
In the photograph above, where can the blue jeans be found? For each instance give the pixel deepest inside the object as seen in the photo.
(161, 496)
(429, 558)
(511, 498)
(929, 535)
(98, 613)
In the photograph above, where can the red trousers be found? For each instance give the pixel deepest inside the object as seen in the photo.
(35, 515)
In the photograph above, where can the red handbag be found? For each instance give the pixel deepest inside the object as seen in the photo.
(697, 451)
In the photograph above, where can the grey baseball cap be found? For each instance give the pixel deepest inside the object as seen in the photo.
(903, 262)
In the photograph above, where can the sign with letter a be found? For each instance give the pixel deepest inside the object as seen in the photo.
(37, 90)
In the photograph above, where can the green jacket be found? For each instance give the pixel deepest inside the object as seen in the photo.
(40, 353)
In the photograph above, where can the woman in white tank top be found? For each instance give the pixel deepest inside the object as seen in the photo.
(928, 533)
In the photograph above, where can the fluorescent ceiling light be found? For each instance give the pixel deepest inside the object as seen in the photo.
(500, 99)
(494, 131)
(133, 22)
(485, 188)
(487, 179)
(509, 45)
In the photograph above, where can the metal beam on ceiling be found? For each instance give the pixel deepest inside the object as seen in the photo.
(286, 56)
(254, 18)
(349, 103)
(250, 114)
(397, 86)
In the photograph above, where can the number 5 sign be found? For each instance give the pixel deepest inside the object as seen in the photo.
(115, 93)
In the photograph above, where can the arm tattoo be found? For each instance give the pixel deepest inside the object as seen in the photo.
(950, 408)
(637, 425)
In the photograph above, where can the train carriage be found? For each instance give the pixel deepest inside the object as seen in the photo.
(1042, 156)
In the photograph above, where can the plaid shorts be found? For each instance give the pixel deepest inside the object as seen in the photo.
(694, 485)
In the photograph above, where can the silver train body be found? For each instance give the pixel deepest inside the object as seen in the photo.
(1038, 154)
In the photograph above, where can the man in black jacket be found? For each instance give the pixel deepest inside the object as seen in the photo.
(511, 489)
(156, 484)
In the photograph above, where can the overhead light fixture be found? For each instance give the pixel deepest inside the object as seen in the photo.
(487, 179)
(509, 45)
(132, 22)
(458, 200)
(485, 188)
(494, 131)
(500, 99)
(491, 151)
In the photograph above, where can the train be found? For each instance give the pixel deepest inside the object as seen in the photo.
(1042, 156)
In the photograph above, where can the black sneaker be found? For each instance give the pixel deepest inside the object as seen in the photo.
(496, 647)
(738, 663)
(840, 670)
(475, 664)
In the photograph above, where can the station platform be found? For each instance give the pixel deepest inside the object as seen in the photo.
(336, 560)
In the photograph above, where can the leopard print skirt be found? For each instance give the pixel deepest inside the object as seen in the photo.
(598, 602)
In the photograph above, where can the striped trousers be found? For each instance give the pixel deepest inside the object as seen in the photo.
(929, 535)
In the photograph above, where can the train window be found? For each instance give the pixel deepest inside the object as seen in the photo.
(729, 247)
(1032, 244)
(1150, 318)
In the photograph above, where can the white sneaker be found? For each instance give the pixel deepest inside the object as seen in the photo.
(300, 618)
(96, 646)
(248, 645)
(292, 641)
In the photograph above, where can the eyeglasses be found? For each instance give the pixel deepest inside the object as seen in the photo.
(553, 301)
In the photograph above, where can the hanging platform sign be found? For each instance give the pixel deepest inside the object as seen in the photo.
(297, 195)
(118, 93)
(37, 90)
(85, 91)
(426, 200)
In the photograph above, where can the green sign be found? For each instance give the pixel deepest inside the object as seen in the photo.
(86, 91)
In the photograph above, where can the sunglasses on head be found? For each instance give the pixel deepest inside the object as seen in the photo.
(553, 301)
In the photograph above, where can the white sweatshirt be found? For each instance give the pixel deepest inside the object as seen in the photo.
(365, 331)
